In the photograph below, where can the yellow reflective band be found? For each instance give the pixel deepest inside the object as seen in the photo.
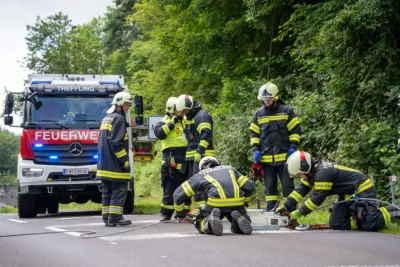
(187, 189)
(121, 153)
(247, 199)
(254, 127)
(197, 204)
(185, 121)
(364, 186)
(294, 137)
(202, 226)
(271, 198)
(385, 214)
(323, 185)
(296, 196)
(166, 129)
(179, 166)
(255, 141)
(217, 185)
(227, 202)
(209, 152)
(280, 157)
(305, 183)
(266, 158)
(115, 210)
(345, 168)
(242, 180)
(187, 207)
(310, 205)
(116, 175)
(126, 137)
(168, 207)
(235, 185)
(281, 117)
(292, 123)
(202, 126)
(204, 143)
(179, 207)
(190, 154)
(106, 126)
(105, 209)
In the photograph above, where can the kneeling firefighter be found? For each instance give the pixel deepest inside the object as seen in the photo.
(327, 178)
(226, 192)
(173, 169)
(113, 166)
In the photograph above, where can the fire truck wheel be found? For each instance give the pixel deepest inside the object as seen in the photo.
(128, 206)
(27, 206)
(52, 204)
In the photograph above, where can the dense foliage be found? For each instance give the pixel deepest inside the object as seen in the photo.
(336, 62)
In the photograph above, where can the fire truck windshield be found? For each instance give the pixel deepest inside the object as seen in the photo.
(71, 112)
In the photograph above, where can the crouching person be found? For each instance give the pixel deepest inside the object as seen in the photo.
(225, 190)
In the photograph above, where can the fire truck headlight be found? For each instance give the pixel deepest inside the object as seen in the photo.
(32, 172)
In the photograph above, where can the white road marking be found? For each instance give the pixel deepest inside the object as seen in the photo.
(99, 224)
(18, 221)
(56, 229)
(113, 243)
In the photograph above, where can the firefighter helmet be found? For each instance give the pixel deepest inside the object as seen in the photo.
(208, 162)
(169, 108)
(298, 162)
(119, 99)
(184, 102)
(268, 91)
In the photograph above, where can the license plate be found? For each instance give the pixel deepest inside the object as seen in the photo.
(75, 171)
(141, 158)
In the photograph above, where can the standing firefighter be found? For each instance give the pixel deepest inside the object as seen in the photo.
(226, 192)
(329, 179)
(275, 134)
(113, 166)
(174, 144)
(199, 132)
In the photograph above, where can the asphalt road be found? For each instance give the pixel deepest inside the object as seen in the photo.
(174, 244)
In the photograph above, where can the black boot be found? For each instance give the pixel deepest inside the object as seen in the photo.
(241, 222)
(120, 222)
(214, 220)
(165, 217)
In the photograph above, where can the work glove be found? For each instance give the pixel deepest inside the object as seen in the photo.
(257, 156)
(290, 152)
(125, 167)
(281, 209)
(295, 215)
(197, 157)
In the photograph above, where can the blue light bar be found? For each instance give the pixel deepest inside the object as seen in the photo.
(53, 157)
(38, 145)
(109, 82)
(96, 156)
(41, 82)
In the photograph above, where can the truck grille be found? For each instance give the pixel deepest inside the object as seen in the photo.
(61, 155)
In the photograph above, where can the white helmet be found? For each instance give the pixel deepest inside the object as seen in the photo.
(119, 99)
(208, 162)
(169, 108)
(267, 91)
(298, 162)
(184, 102)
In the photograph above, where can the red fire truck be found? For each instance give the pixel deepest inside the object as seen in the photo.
(61, 116)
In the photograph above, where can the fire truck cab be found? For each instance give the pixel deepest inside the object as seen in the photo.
(61, 117)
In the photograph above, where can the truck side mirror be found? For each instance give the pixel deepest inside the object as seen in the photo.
(9, 105)
(138, 105)
(8, 120)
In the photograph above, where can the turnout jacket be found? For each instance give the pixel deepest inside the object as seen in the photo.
(113, 148)
(273, 131)
(173, 139)
(199, 132)
(222, 187)
(327, 179)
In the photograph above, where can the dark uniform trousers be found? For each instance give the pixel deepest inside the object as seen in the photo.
(171, 179)
(113, 199)
(271, 184)
(198, 197)
(364, 212)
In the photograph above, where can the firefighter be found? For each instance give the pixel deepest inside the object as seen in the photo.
(226, 191)
(113, 166)
(199, 132)
(275, 134)
(327, 179)
(173, 169)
